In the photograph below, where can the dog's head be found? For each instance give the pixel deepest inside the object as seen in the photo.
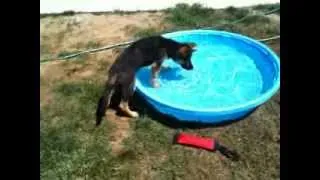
(184, 54)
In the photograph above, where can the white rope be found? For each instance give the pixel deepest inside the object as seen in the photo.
(270, 38)
(88, 51)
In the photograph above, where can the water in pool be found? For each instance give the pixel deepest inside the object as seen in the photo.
(223, 76)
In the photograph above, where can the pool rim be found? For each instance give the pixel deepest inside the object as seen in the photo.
(262, 98)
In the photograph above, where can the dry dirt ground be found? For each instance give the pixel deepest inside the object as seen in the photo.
(66, 34)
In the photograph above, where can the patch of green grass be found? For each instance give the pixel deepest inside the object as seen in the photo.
(258, 146)
(196, 15)
(97, 13)
(266, 7)
(256, 26)
(120, 12)
(65, 13)
(236, 13)
(68, 13)
(184, 16)
(255, 139)
(147, 131)
(192, 16)
(65, 155)
(152, 155)
(146, 32)
(87, 92)
(70, 146)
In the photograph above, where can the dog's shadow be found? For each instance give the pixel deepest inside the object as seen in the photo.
(144, 108)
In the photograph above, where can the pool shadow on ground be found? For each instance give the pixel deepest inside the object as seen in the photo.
(143, 107)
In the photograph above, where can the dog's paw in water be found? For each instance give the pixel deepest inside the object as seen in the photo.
(166, 68)
(134, 114)
(155, 83)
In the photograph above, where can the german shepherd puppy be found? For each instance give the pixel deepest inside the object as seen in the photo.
(144, 52)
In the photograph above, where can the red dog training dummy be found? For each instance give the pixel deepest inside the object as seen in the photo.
(209, 144)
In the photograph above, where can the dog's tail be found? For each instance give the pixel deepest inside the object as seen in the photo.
(104, 100)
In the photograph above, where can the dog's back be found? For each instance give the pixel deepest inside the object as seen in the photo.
(141, 53)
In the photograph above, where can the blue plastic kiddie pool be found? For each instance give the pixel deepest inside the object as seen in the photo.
(232, 75)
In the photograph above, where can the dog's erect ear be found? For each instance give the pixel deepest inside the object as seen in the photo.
(192, 46)
(187, 47)
(183, 50)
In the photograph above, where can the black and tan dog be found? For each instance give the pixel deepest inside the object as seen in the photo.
(144, 52)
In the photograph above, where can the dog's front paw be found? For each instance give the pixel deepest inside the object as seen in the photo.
(154, 83)
(165, 68)
(134, 114)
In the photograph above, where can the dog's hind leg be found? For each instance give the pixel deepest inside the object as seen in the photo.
(105, 99)
(127, 91)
